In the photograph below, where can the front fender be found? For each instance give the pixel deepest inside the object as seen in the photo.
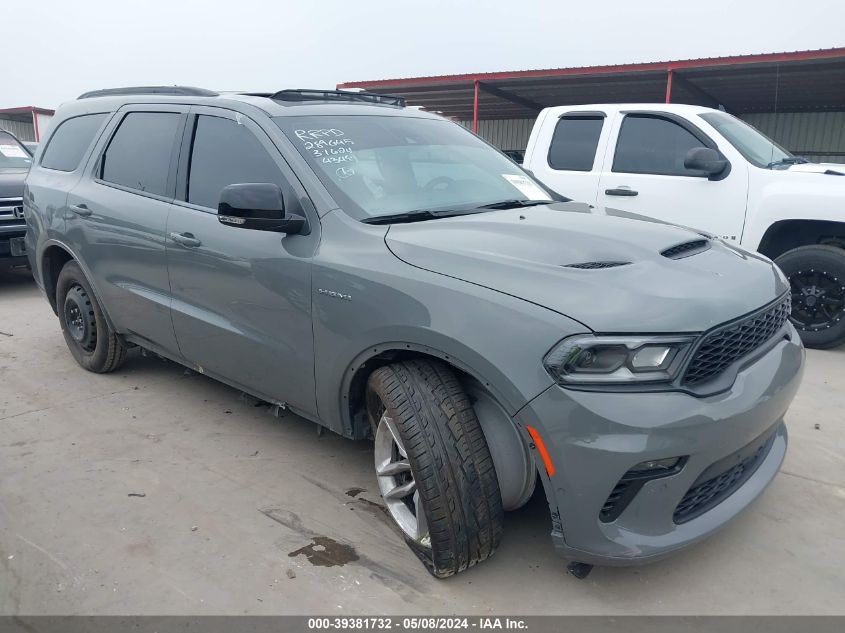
(787, 196)
(497, 339)
(365, 301)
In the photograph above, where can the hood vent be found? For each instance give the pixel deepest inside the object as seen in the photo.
(686, 249)
(595, 265)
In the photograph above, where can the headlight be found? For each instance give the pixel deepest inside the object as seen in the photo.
(587, 359)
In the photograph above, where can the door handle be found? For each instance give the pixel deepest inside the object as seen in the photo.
(185, 239)
(621, 191)
(81, 210)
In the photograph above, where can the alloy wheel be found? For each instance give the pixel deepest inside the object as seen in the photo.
(396, 482)
(818, 300)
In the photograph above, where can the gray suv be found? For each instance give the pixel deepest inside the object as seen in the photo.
(385, 273)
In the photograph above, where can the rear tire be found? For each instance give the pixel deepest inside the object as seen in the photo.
(817, 278)
(89, 338)
(440, 465)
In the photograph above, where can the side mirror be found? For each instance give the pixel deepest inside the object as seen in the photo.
(259, 206)
(707, 160)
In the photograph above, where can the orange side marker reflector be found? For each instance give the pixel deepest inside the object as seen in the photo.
(541, 448)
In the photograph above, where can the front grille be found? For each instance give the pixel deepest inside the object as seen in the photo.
(727, 344)
(595, 265)
(11, 211)
(707, 494)
(686, 249)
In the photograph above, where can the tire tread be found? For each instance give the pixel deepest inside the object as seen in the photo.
(450, 461)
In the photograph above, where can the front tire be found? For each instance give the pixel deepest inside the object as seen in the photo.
(817, 278)
(89, 338)
(433, 465)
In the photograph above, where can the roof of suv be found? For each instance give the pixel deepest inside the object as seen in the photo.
(281, 103)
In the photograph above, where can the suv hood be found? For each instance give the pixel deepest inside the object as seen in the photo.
(11, 182)
(525, 253)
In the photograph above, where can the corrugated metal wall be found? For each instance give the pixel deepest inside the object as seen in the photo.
(819, 136)
(504, 133)
(23, 130)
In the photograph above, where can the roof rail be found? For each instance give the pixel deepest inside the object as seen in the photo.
(337, 95)
(178, 91)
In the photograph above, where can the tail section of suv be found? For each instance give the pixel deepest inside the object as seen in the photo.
(386, 274)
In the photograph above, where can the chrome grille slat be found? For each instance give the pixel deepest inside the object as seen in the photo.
(11, 211)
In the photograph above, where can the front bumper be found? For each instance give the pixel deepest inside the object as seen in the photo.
(594, 438)
(12, 246)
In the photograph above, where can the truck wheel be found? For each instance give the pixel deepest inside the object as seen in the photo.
(90, 339)
(817, 277)
(433, 465)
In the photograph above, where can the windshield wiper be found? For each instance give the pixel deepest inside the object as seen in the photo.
(419, 215)
(513, 204)
(791, 160)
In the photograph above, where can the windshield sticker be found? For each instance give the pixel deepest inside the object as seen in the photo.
(13, 151)
(330, 145)
(526, 187)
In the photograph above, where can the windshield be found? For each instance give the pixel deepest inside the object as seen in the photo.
(12, 154)
(753, 145)
(385, 165)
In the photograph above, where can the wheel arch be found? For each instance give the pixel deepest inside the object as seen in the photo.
(517, 479)
(375, 356)
(53, 258)
(784, 235)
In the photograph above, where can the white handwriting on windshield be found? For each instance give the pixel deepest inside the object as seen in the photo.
(330, 145)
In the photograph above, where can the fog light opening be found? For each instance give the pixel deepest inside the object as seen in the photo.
(656, 465)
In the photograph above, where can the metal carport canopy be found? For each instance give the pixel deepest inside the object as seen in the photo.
(800, 81)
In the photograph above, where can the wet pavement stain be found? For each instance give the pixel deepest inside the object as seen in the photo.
(354, 492)
(326, 552)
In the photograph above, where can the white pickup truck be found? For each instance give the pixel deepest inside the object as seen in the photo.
(710, 171)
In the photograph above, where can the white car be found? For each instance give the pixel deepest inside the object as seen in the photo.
(708, 170)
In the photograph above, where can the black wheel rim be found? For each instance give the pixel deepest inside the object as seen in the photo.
(79, 318)
(818, 299)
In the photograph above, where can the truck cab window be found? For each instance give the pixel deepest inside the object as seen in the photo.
(574, 143)
(653, 145)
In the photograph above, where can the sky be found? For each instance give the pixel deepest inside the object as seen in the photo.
(67, 47)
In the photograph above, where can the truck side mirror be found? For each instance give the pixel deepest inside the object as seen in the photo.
(259, 206)
(707, 160)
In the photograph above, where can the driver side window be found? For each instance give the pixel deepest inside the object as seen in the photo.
(653, 145)
(225, 153)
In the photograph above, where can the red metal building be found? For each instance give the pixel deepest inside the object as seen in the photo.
(798, 98)
(28, 123)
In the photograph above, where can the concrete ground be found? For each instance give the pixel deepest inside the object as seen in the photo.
(149, 491)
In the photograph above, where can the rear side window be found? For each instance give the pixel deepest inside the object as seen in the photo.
(70, 141)
(574, 143)
(651, 145)
(225, 153)
(139, 153)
